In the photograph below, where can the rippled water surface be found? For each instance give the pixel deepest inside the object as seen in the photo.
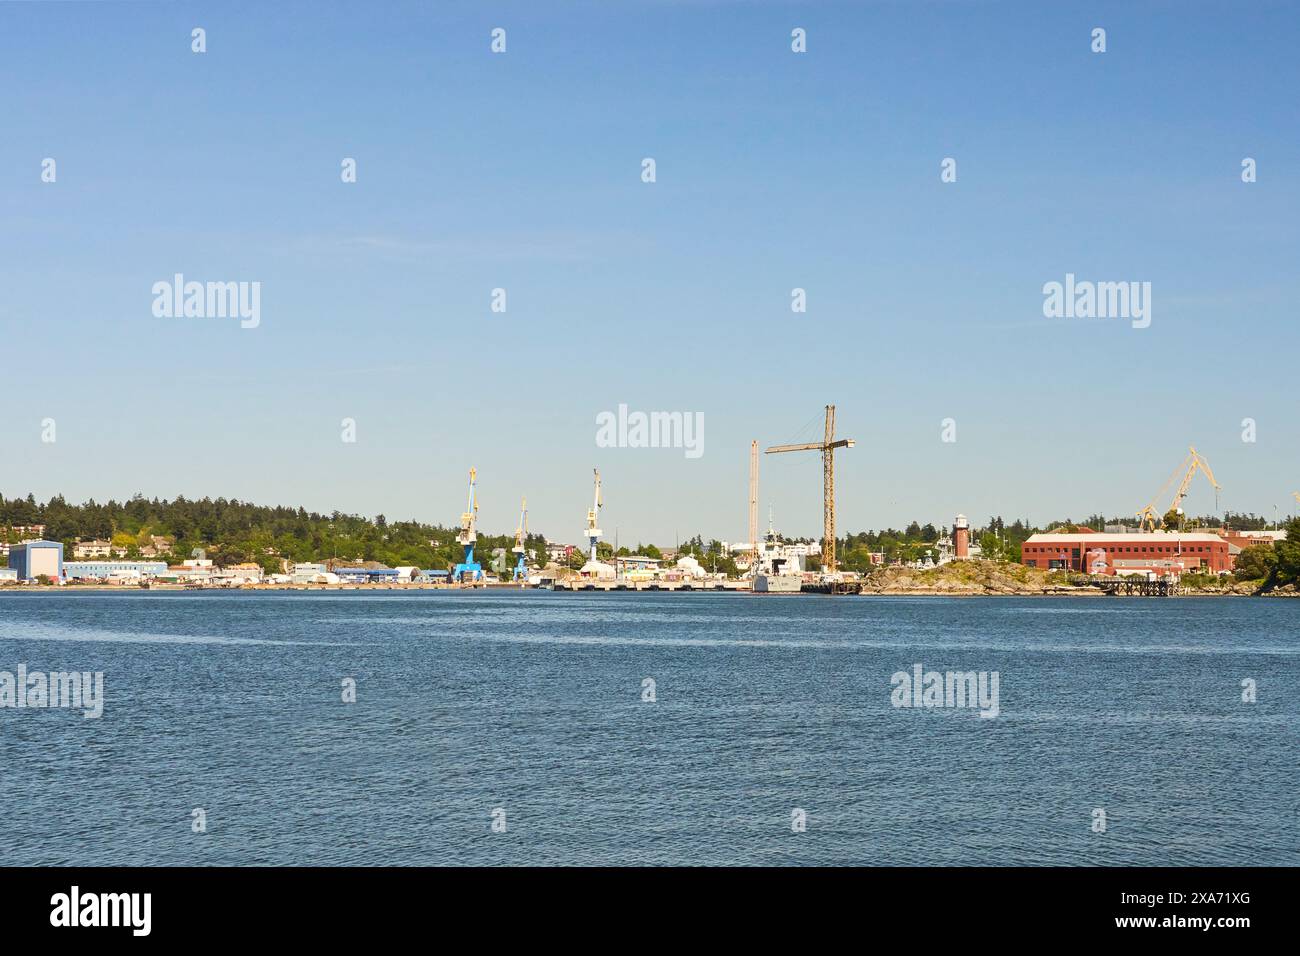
(531, 702)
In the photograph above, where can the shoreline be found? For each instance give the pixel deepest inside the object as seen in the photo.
(1049, 592)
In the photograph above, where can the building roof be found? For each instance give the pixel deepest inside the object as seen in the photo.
(1272, 535)
(1101, 537)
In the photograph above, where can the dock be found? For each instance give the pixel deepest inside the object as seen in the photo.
(615, 585)
(1137, 586)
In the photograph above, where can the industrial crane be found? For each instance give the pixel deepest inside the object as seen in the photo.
(827, 447)
(521, 534)
(1193, 463)
(468, 536)
(593, 533)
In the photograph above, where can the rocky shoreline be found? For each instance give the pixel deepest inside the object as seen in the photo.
(988, 578)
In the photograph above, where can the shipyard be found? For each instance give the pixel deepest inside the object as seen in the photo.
(1159, 552)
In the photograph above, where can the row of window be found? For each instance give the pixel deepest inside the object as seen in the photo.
(1139, 549)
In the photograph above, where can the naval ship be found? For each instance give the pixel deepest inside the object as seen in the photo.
(779, 567)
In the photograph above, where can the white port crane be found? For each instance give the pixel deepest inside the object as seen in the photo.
(593, 532)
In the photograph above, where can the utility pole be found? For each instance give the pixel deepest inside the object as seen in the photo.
(753, 502)
(827, 447)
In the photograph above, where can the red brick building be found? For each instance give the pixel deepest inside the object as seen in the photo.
(1160, 552)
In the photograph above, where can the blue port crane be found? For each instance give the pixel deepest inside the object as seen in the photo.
(521, 535)
(469, 568)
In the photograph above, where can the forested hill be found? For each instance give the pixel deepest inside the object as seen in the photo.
(233, 531)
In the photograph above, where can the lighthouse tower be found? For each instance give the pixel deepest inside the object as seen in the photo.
(961, 538)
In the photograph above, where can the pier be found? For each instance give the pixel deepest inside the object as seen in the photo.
(1137, 587)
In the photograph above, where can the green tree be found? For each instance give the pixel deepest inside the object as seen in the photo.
(1287, 552)
(1255, 563)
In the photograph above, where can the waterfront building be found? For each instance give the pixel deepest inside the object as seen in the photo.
(31, 559)
(1246, 539)
(101, 570)
(1158, 552)
(308, 573)
(636, 563)
(238, 574)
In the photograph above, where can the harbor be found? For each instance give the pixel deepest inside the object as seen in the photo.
(1164, 553)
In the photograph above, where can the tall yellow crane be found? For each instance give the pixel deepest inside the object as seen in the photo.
(1193, 463)
(827, 447)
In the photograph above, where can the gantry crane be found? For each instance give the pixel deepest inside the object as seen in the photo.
(521, 535)
(827, 447)
(468, 536)
(1149, 518)
(593, 533)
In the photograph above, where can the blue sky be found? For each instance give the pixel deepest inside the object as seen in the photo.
(774, 171)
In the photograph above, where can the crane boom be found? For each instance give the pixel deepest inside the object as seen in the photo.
(469, 520)
(521, 535)
(521, 532)
(1194, 462)
(1197, 464)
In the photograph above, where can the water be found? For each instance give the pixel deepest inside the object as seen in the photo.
(531, 702)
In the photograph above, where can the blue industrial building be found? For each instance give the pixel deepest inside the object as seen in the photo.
(31, 559)
(103, 569)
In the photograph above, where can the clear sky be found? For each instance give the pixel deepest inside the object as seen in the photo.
(774, 170)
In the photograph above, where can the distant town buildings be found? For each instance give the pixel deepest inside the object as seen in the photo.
(87, 550)
(558, 553)
(24, 533)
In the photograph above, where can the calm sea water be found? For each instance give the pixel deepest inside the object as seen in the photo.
(531, 702)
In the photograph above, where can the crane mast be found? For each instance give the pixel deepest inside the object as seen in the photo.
(521, 535)
(593, 532)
